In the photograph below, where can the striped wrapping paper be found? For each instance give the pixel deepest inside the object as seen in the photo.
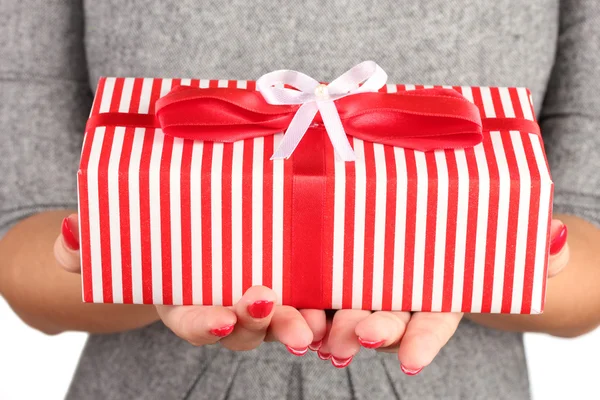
(165, 220)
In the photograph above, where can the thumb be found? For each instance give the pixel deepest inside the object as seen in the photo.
(66, 246)
(559, 249)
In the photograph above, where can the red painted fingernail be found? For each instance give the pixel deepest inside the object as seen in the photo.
(370, 344)
(558, 240)
(297, 352)
(223, 331)
(69, 234)
(314, 346)
(260, 308)
(323, 356)
(410, 372)
(341, 363)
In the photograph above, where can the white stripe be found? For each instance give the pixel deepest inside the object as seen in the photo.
(126, 94)
(175, 201)
(523, 221)
(440, 231)
(145, 96)
(186, 82)
(525, 103)
(196, 220)
(409, 87)
(507, 105)
(483, 203)
(94, 212)
(277, 222)
(467, 93)
(236, 220)
(242, 85)
(427, 86)
(400, 228)
(546, 186)
(488, 104)
(339, 212)
(420, 231)
(359, 225)
(216, 228)
(109, 86)
(391, 88)
(257, 209)
(114, 214)
(222, 83)
(380, 216)
(204, 83)
(502, 229)
(155, 234)
(165, 86)
(447, 87)
(462, 213)
(134, 215)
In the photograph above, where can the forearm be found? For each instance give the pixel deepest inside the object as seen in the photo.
(572, 297)
(44, 295)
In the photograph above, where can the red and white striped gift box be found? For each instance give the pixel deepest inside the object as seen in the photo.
(167, 220)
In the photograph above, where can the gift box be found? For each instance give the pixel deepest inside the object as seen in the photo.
(169, 215)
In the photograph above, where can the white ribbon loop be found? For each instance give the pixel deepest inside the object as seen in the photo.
(314, 97)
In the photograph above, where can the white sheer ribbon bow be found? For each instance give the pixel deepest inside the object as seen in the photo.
(314, 96)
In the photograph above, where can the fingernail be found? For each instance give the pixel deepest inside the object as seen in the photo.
(260, 308)
(297, 352)
(409, 371)
(223, 331)
(341, 363)
(558, 239)
(314, 346)
(323, 356)
(69, 235)
(370, 344)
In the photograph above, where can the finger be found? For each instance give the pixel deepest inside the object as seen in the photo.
(66, 246)
(254, 312)
(426, 334)
(559, 249)
(324, 351)
(199, 325)
(382, 330)
(317, 322)
(289, 327)
(343, 342)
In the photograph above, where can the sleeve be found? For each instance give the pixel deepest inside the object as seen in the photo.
(44, 100)
(570, 116)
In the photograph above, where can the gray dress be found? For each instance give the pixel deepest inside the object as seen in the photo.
(53, 51)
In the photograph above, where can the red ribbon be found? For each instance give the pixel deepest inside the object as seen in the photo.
(425, 119)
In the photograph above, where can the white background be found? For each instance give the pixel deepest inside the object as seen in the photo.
(34, 366)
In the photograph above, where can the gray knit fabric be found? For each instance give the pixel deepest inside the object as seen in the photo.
(53, 51)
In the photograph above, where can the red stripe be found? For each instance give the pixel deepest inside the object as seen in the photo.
(349, 235)
(247, 214)
(471, 239)
(226, 223)
(134, 106)
(165, 219)
(411, 212)
(98, 96)
(124, 215)
(104, 213)
(146, 245)
(117, 93)
(432, 205)
(251, 85)
(450, 230)
(195, 82)
(546, 251)
(206, 211)
(287, 226)
(390, 216)
(328, 226)
(367, 295)
(84, 219)
(186, 222)
(267, 244)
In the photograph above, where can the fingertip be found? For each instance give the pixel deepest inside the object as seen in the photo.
(68, 259)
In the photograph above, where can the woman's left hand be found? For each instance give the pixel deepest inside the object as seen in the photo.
(416, 337)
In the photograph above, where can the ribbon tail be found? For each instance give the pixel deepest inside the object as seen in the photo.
(296, 130)
(335, 131)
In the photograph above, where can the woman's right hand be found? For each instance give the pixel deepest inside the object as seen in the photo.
(243, 326)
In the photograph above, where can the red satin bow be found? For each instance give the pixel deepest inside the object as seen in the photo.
(424, 119)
